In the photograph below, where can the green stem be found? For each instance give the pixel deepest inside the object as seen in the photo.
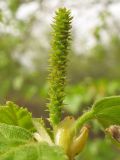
(83, 119)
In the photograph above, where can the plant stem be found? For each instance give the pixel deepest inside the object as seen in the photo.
(83, 119)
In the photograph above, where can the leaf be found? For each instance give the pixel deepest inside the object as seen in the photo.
(15, 115)
(17, 143)
(107, 111)
(41, 135)
(35, 151)
(12, 137)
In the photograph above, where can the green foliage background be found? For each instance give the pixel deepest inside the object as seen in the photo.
(90, 76)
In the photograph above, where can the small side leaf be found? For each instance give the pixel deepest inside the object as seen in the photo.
(107, 111)
(15, 115)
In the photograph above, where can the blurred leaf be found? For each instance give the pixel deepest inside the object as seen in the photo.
(1, 16)
(13, 5)
(73, 103)
(113, 87)
(17, 83)
(98, 149)
(31, 91)
(39, 151)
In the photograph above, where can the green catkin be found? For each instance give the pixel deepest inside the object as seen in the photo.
(60, 43)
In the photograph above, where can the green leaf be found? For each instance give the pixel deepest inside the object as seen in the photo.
(107, 111)
(35, 151)
(12, 137)
(17, 143)
(15, 115)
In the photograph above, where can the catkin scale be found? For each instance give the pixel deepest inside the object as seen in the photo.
(79, 142)
(65, 137)
(63, 134)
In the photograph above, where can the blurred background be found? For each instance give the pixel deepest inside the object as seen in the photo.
(94, 60)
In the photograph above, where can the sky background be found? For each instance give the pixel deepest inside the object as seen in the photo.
(86, 17)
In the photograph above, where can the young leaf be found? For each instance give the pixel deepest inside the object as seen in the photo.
(15, 115)
(41, 135)
(35, 151)
(12, 137)
(107, 111)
